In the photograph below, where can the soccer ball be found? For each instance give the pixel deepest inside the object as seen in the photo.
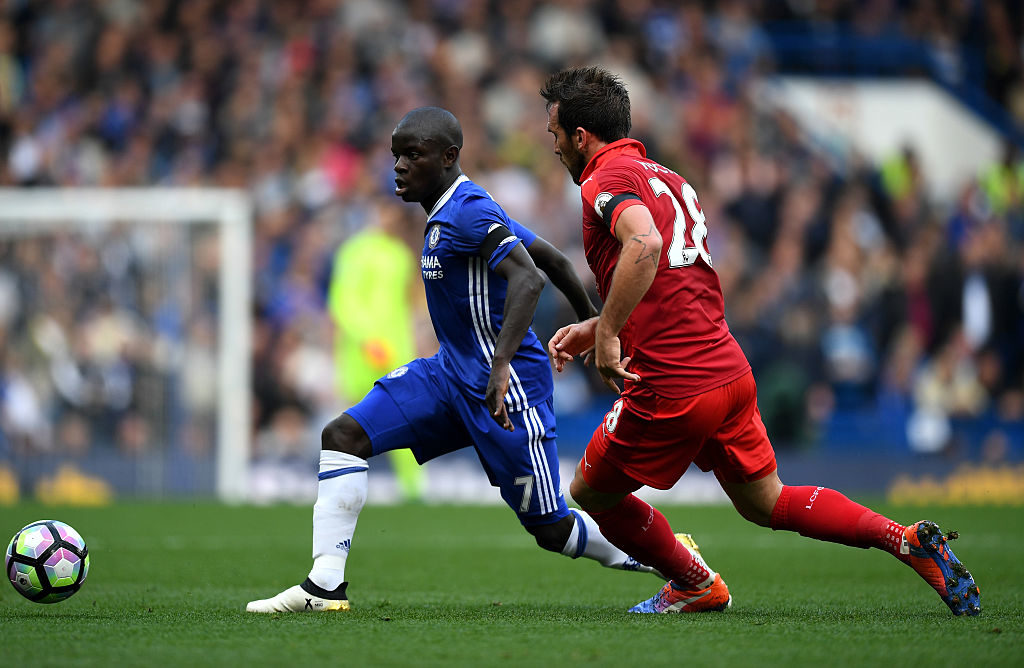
(47, 561)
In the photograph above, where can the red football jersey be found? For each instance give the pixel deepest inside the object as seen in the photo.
(677, 334)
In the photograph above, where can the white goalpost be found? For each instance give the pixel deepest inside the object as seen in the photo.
(41, 211)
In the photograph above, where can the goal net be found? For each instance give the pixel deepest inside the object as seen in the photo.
(125, 330)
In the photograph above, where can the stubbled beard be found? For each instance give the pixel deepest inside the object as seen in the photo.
(575, 164)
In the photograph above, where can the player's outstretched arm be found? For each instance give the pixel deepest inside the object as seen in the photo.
(524, 287)
(559, 269)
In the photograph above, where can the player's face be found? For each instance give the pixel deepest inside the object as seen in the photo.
(419, 165)
(564, 148)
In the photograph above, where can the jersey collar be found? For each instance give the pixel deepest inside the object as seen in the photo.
(447, 195)
(611, 150)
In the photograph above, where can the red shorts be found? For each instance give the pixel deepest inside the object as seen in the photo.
(651, 440)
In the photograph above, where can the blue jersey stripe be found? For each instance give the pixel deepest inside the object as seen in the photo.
(466, 297)
(479, 300)
(515, 386)
(334, 473)
(547, 487)
(538, 480)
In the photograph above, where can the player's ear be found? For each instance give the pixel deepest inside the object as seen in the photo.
(581, 137)
(450, 155)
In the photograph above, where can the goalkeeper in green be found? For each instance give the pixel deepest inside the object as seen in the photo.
(372, 301)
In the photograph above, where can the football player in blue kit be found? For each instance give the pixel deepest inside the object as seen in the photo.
(488, 387)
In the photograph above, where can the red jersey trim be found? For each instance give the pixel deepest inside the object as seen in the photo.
(609, 151)
(603, 155)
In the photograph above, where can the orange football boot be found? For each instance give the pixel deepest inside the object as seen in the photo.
(927, 551)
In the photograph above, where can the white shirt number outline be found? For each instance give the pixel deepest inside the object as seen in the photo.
(679, 254)
(611, 420)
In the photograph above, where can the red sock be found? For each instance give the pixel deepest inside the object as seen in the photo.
(639, 530)
(825, 514)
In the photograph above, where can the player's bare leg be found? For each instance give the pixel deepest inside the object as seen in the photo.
(825, 514)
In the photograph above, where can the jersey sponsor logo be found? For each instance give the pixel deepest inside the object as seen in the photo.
(601, 201)
(431, 266)
(399, 372)
(433, 236)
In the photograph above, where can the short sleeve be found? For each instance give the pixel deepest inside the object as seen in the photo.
(612, 191)
(482, 225)
(523, 232)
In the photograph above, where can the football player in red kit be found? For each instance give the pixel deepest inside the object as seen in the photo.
(688, 392)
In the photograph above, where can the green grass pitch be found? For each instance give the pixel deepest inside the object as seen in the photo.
(453, 586)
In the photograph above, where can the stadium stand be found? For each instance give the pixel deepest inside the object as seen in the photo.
(854, 294)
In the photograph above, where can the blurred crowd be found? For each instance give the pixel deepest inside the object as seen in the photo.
(848, 288)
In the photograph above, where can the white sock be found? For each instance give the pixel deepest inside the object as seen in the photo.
(340, 496)
(586, 540)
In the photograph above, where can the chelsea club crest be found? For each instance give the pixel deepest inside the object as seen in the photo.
(433, 236)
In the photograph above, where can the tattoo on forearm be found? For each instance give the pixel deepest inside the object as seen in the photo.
(644, 253)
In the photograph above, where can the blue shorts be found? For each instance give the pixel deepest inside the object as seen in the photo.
(418, 407)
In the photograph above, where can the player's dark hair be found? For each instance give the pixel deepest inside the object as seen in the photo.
(590, 98)
(437, 124)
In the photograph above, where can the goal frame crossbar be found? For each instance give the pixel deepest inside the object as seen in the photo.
(32, 210)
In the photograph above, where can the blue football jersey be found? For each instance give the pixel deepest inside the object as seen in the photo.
(466, 298)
